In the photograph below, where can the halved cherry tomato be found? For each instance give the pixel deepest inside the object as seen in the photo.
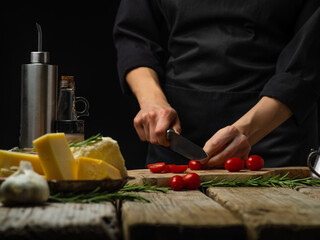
(191, 181)
(234, 164)
(255, 162)
(194, 165)
(178, 168)
(176, 183)
(166, 169)
(157, 167)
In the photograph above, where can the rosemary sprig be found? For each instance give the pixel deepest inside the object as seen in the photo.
(95, 196)
(101, 196)
(90, 140)
(143, 188)
(271, 181)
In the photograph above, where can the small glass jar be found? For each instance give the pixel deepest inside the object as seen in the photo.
(73, 129)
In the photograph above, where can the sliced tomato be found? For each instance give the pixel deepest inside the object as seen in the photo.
(157, 167)
(178, 168)
(166, 169)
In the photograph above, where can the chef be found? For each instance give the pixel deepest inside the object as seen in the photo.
(236, 77)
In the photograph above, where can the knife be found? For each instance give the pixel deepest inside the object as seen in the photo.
(184, 146)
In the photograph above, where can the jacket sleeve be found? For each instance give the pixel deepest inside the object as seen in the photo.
(136, 37)
(296, 81)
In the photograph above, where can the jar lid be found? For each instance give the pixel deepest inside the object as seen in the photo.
(67, 78)
(70, 126)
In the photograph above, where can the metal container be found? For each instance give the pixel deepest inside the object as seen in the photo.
(315, 167)
(38, 96)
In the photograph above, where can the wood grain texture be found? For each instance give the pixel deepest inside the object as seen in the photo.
(59, 221)
(313, 192)
(179, 215)
(163, 180)
(272, 213)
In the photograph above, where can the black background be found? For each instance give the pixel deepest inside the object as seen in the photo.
(79, 39)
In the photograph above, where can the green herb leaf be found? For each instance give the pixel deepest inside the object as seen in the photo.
(101, 196)
(271, 181)
(88, 141)
(143, 188)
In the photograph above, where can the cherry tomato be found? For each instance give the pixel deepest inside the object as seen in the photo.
(178, 168)
(166, 169)
(194, 165)
(255, 162)
(157, 167)
(234, 164)
(176, 183)
(191, 181)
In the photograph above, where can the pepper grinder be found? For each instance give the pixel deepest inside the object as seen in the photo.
(38, 96)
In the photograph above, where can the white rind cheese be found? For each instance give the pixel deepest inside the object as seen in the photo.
(106, 150)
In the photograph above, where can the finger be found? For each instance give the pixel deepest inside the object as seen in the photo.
(245, 154)
(161, 132)
(152, 121)
(146, 131)
(144, 122)
(220, 139)
(139, 128)
(204, 161)
(239, 147)
(176, 126)
(164, 122)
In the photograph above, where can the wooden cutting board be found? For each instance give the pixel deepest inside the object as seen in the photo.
(163, 179)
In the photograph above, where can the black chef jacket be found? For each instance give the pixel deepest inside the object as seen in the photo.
(216, 58)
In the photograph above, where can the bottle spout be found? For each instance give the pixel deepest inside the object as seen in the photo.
(39, 37)
(40, 56)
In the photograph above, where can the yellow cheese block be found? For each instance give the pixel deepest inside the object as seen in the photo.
(55, 156)
(94, 169)
(9, 159)
(106, 150)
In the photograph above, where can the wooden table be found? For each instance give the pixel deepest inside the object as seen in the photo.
(219, 213)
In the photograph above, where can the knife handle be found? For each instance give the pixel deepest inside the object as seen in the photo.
(170, 131)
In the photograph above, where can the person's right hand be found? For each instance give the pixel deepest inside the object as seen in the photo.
(153, 120)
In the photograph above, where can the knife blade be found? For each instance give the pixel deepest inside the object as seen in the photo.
(184, 146)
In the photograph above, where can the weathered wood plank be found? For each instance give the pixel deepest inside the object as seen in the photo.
(59, 221)
(161, 180)
(272, 213)
(179, 215)
(313, 192)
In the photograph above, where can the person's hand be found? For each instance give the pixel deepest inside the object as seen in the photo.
(228, 142)
(153, 120)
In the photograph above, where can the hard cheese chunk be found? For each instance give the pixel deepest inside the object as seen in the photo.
(94, 169)
(106, 150)
(56, 158)
(9, 159)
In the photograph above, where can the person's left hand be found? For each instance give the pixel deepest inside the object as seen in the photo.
(228, 142)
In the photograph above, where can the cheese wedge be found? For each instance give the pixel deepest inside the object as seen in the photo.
(106, 150)
(94, 169)
(4, 172)
(9, 159)
(55, 156)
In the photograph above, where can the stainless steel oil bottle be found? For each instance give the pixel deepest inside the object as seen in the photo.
(38, 96)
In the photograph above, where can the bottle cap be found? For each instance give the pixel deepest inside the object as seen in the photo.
(70, 126)
(40, 57)
(67, 81)
(67, 78)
